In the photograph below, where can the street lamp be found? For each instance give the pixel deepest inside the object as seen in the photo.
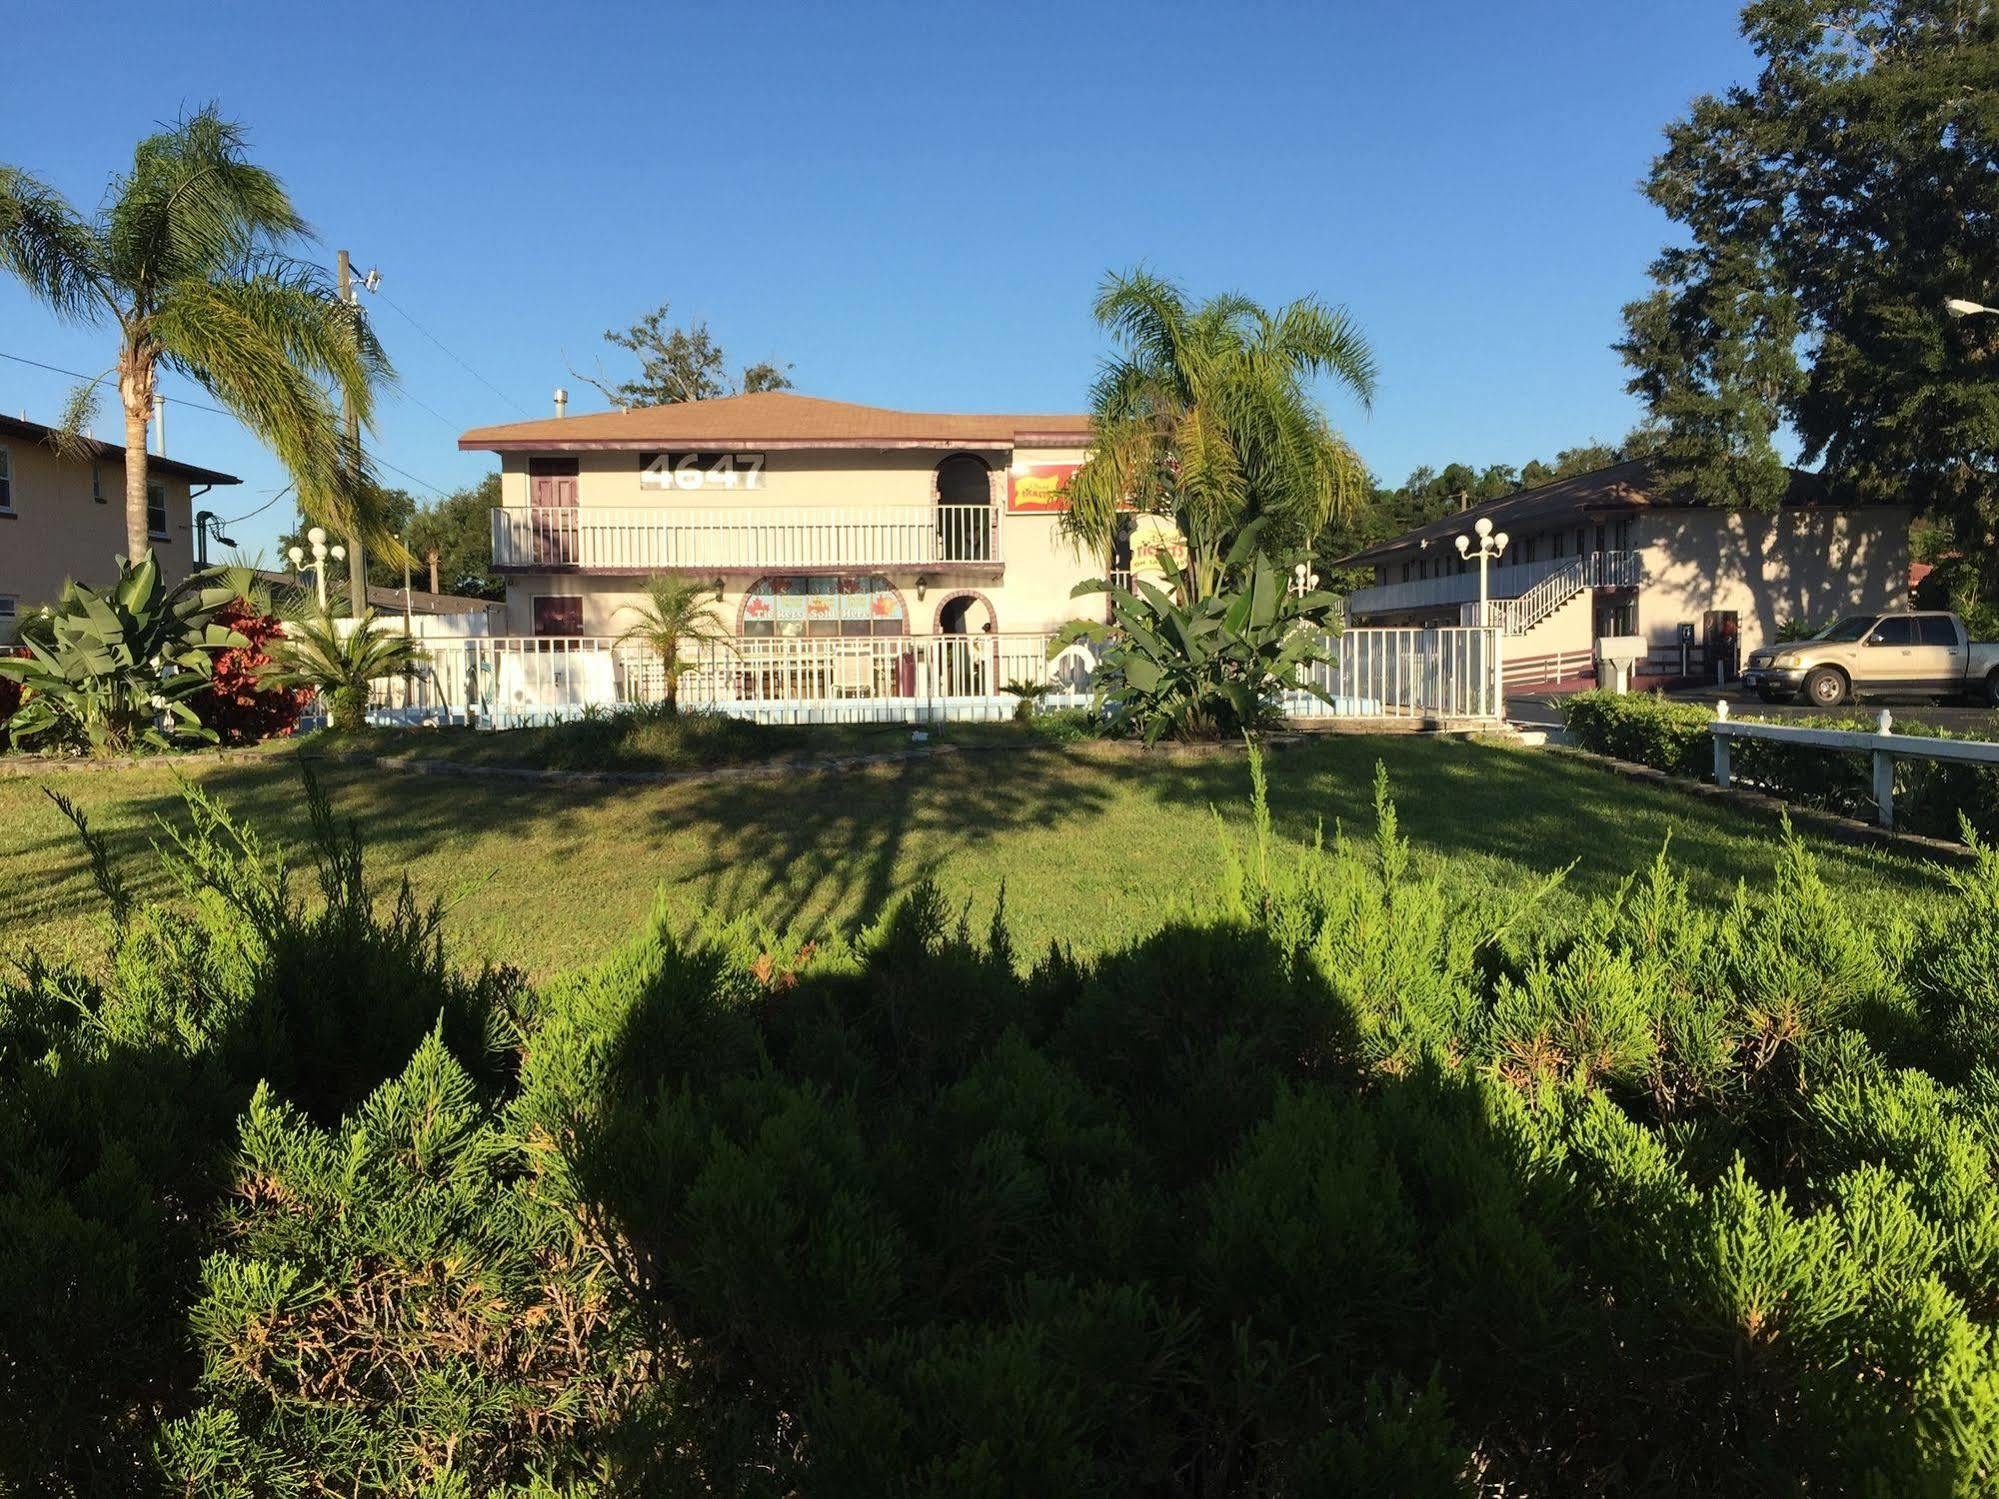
(1303, 579)
(1487, 549)
(320, 552)
(1958, 307)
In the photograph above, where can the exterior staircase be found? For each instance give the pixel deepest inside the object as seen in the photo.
(1591, 570)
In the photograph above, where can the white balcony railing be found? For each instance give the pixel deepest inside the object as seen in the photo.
(1517, 580)
(643, 538)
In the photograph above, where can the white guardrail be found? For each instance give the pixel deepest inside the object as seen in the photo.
(510, 681)
(1885, 745)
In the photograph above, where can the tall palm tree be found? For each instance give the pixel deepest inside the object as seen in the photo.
(677, 612)
(1205, 415)
(185, 259)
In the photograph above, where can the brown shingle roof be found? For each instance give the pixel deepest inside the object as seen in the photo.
(35, 432)
(780, 419)
(1634, 484)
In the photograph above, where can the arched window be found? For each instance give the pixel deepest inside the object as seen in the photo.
(790, 606)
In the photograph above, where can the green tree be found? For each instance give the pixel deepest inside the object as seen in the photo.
(186, 260)
(677, 613)
(458, 529)
(679, 364)
(1205, 415)
(1829, 208)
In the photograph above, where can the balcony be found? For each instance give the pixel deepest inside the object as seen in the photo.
(1591, 570)
(744, 539)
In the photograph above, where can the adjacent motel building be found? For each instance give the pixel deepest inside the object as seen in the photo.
(1622, 552)
(63, 517)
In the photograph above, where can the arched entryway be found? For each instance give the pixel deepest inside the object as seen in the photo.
(964, 509)
(968, 657)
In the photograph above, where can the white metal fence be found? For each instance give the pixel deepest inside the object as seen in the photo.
(640, 538)
(501, 682)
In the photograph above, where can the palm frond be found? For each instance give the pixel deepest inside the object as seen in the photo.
(47, 245)
(194, 205)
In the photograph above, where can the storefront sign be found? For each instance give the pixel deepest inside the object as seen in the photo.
(1035, 488)
(701, 471)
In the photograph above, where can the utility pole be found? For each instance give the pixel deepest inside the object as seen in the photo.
(357, 559)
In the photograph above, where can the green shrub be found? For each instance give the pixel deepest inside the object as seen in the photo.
(1931, 797)
(1334, 1183)
(109, 670)
(1644, 728)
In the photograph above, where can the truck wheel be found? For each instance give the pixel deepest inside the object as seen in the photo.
(1992, 690)
(1826, 687)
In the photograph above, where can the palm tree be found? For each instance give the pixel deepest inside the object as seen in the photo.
(340, 664)
(1204, 416)
(677, 612)
(184, 259)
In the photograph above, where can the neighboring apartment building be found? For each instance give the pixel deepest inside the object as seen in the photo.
(813, 517)
(63, 518)
(1619, 552)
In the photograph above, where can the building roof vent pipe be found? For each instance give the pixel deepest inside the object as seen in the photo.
(561, 402)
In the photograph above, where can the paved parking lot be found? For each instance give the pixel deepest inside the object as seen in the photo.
(1540, 711)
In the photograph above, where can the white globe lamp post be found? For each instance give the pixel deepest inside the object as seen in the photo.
(1487, 548)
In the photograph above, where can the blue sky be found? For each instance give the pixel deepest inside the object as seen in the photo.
(912, 205)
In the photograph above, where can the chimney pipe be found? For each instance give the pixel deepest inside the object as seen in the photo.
(561, 402)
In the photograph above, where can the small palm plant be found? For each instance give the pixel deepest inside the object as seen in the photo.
(340, 664)
(678, 612)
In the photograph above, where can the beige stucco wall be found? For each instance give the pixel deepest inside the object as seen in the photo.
(1794, 564)
(1030, 594)
(57, 531)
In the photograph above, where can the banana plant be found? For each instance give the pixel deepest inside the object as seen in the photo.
(1210, 668)
(109, 670)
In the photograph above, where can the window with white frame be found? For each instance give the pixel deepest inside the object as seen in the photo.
(156, 510)
(9, 607)
(6, 479)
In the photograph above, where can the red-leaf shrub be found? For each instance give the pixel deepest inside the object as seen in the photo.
(10, 694)
(234, 704)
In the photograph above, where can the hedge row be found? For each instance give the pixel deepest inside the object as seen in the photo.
(1930, 796)
(1337, 1183)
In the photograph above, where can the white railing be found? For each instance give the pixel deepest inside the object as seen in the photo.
(1504, 584)
(642, 538)
(1592, 570)
(1435, 675)
(1885, 746)
(506, 682)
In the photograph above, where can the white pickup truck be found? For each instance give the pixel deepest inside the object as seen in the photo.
(1926, 654)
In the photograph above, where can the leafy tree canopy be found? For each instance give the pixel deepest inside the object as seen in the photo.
(679, 364)
(1829, 208)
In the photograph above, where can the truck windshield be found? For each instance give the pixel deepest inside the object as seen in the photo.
(1849, 629)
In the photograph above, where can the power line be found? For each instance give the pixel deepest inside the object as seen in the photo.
(461, 363)
(253, 514)
(56, 369)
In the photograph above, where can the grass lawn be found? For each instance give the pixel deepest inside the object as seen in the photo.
(1091, 843)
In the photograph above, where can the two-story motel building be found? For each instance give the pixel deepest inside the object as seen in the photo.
(1624, 551)
(62, 515)
(812, 517)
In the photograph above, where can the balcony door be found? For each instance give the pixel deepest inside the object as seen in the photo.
(552, 494)
(964, 509)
